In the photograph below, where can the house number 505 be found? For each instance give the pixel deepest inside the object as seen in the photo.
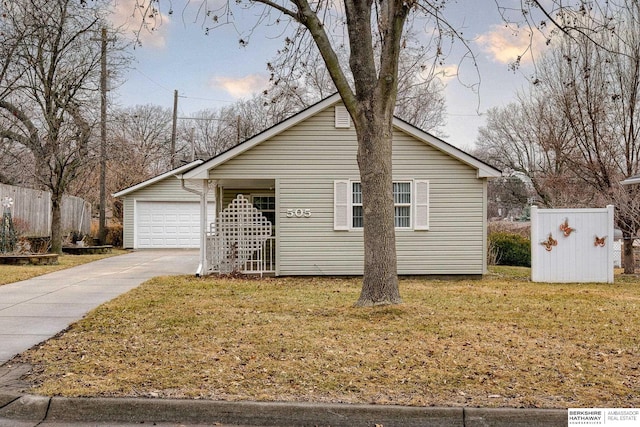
(298, 213)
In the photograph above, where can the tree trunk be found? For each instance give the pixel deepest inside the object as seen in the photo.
(380, 280)
(56, 223)
(628, 259)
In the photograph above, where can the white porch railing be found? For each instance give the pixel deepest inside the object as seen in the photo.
(260, 262)
(263, 261)
(242, 241)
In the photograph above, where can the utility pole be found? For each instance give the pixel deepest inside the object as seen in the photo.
(102, 229)
(173, 129)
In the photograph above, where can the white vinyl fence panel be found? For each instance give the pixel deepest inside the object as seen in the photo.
(31, 211)
(572, 245)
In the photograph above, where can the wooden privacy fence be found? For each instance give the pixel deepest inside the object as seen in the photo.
(32, 211)
(572, 245)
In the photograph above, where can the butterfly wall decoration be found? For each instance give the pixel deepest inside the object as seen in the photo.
(566, 230)
(549, 243)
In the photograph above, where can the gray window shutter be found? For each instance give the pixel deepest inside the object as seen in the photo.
(421, 204)
(341, 195)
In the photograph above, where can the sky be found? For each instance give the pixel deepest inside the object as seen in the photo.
(211, 70)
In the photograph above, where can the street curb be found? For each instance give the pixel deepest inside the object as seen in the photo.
(6, 398)
(139, 410)
(515, 417)
(25, 407)
(249, 413)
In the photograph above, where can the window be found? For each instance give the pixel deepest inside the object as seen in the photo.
(356, 205)
(266, 205)
(402, 204)
(410, 198)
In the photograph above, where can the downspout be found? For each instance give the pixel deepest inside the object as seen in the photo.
(203, 223)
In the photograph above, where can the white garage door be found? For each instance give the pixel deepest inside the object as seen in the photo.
(167, 225)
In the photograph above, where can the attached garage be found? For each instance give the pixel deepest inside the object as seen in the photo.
(159, 213)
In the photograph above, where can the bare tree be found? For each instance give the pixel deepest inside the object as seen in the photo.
(599, 94)
(589, 83)
(300, 78)
(138, 148)
(143, 135)
(507, 196)
(529, 137)
(49, 89)
(207, 133)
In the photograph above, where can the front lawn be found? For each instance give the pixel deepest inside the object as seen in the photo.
(16, 273)
(500, 342)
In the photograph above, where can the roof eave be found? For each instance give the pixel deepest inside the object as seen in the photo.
(150, 181)
(484, 170)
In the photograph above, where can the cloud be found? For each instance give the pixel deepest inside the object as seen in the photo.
(447, 72)
(242, 86)
(505, 45)
(129, 15)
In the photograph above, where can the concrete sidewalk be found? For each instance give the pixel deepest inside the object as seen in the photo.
(34, 310)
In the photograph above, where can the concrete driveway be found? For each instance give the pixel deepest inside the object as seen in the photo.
(34, 310)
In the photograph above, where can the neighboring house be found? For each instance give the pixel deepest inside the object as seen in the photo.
(302, 175)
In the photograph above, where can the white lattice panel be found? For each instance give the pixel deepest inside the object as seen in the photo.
(240, 233)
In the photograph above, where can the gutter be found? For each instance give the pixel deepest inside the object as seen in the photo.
(203, 219)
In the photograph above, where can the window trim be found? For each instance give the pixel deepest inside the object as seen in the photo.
(420, 204)
(406, 205)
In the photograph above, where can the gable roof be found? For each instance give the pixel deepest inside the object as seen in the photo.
(143, 184)
(484, 169)
(202, 171)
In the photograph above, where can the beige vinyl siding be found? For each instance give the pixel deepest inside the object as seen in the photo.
(167, 190)
(308, 158)
(127, 226)
(454, 243)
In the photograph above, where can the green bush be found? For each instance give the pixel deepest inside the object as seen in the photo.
(510, 249)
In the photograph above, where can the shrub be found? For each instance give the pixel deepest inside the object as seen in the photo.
(510, 249)
(21, 226)
(114, 236)
(38, 245)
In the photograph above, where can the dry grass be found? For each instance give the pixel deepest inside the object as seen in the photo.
(499, 342)
(16, 273)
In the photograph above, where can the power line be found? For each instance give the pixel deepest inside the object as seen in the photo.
(181, 96)
(153, 81)
(206, 99)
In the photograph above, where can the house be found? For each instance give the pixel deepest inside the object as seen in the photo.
(288, 202)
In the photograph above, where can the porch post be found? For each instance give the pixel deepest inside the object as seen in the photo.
(202, 268)
(204, 196)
